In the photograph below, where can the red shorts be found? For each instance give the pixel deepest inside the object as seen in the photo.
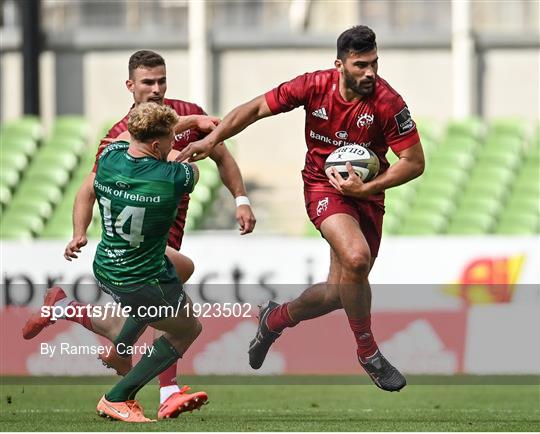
(176, 233)
(368, 213)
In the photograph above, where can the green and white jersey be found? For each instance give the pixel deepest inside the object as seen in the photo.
(138, 199)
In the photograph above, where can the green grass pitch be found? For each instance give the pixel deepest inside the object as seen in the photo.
(427, 404)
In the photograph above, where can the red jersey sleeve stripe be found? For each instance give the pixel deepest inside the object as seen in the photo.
(272, 102)
(405, 142)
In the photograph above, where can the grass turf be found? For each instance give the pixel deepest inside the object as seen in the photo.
(55, 405)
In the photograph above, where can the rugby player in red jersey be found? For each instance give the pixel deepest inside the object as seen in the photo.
(348, 104)
(148, 83)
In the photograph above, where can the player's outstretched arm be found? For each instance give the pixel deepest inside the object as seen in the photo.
(82, 216)
(202, 123)
(232, 179)
(237, 120)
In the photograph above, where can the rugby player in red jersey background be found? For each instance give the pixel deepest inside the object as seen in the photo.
(348, 104)
(147, 82)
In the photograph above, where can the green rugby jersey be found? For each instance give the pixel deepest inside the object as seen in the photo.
(138, 200)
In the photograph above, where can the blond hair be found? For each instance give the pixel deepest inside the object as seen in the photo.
(149, 121)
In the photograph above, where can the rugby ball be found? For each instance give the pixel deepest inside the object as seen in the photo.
(364, 162)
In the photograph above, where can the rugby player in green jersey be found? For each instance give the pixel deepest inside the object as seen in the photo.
(138, 193)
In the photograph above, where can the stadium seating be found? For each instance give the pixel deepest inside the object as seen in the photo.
(480, 178)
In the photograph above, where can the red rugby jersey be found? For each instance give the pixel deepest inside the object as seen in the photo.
(182, 108)
(377, 122)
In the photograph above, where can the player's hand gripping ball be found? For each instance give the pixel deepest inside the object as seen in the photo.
(364, 162)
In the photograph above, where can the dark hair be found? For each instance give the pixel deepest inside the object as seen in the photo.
(357, 39)
(144, 59)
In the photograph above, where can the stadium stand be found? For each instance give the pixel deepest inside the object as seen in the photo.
(481, 178)
(40, 177)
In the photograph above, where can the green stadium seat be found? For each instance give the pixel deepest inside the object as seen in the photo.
(31, 206)
(524, 201)
(461, 144)
(310, 230)
(71, 126)
(508, 228)
(16, 160)
(509, 160)
(19, 144)
(14, 232)
(26, 126)
(508, 127)
(57, 231)
(492, 173)
(468, 222)
(94, 231)
(443, 189)
(433, 204)
(201, 194)
(448, 174)
(428, 129)
(520, 216)
(447, 157)
(518, 222)
(47, 192)
(422, 223)
(470, 127)
(526, 185)
(5, 195)
(391, 224)
(62, 160)
(48, 176)
(396, 207)
(391, 157)
(9, 177)
(12, 222)
(503, 145)
(209, 177)
(479, 203)
(59, 144)
(402, 192)
(480, 188)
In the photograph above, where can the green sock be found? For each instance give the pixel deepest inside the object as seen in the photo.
(129, 333)
(158, 358)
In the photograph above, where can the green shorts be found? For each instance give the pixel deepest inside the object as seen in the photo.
(151, 301)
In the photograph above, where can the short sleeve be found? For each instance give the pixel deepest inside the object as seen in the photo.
(288, 95)
(184, 179)
(398, 126)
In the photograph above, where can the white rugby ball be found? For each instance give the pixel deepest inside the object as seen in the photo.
(364, 162)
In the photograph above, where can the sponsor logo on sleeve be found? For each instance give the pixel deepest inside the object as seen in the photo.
(404, 121)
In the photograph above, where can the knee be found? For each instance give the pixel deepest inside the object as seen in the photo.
(196, 330)
(358, 263)
(186, 270)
